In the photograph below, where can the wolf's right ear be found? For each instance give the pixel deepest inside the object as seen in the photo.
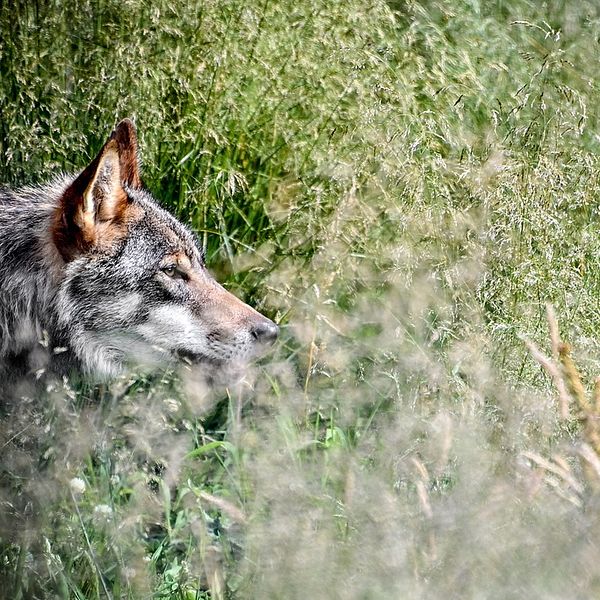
(92, 210)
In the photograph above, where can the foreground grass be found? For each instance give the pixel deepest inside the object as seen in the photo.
(403, 186)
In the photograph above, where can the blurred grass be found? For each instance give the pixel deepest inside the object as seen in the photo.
(403, 185)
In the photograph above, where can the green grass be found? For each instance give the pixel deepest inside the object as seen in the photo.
(403, 186)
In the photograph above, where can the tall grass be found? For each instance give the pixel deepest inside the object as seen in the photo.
(403, 186)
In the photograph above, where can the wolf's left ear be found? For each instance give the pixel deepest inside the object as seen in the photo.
(93, 208)
(126, 139)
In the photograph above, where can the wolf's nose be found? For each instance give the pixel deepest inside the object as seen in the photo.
(265, 332)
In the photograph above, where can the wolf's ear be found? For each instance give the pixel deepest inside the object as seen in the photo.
(126, 138)
(93, 207)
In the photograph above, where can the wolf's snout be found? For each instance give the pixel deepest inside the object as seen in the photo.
(265, 332)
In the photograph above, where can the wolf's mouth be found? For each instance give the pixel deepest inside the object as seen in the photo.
(194, 358)
(198, 358)
(214, 371)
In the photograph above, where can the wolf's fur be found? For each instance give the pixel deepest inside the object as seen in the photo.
(95, 275)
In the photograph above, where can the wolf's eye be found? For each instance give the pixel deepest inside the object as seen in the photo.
(170, 270)
(175, 272)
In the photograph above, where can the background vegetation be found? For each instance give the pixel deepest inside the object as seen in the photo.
(403, 186)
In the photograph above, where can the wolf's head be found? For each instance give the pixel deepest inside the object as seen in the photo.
(134, 285)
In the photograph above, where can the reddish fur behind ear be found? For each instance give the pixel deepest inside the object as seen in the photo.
(126, 138)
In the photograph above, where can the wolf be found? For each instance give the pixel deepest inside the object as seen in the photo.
(95, 276)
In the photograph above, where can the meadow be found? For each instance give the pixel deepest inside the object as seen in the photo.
(410, 189)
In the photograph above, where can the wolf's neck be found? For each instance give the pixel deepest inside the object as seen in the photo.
(30, 269)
